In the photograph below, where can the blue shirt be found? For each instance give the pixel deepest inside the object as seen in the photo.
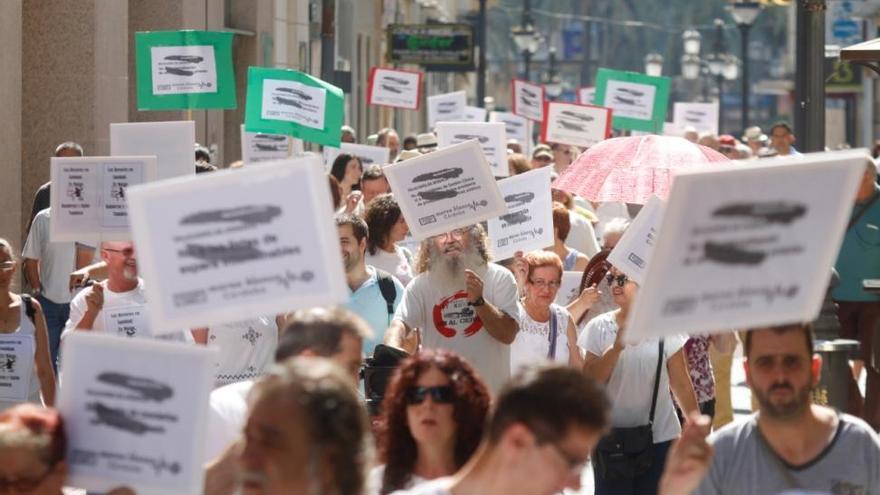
(859, 256)
(368, 303)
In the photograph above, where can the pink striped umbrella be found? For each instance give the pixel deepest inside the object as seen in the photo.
(631, 169)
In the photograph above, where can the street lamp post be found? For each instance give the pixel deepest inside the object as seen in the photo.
(718, 64)
(654, 64)
(526, 38)
(744, 13)
(553, 83)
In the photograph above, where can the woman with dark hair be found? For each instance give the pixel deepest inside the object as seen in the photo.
(388, 227)
(347, 169)
(335, 192)
(432, 421)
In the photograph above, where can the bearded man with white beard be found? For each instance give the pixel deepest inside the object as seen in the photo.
(461, 302)
(123, 289)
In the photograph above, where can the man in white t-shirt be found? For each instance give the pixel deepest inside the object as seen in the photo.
(47, 266)
(460, 302)
(116, 305)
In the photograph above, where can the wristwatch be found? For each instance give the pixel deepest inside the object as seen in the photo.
(36, 292)
(479, 302)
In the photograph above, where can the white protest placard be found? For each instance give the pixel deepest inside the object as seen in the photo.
(519, 128)
(88, 195)
(577, 125)
(569, 289)
(630, 99)
(172, 143)
(474, 114)
(701, 116)
(194, 62)
(293, 101)
(395, 88)
(492, 137)
(17, 353)
(135, 413)
(742, 246)
(447, 107)
(528, 99)
(446, 189)
(528, 223)
(633, 251)
(259, 147)
(587, 95)
(237, 243)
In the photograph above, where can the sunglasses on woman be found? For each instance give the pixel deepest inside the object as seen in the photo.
(621, 280)
(440, 395)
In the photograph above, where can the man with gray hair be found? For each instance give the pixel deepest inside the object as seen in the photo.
(306, 432)
(460, 302)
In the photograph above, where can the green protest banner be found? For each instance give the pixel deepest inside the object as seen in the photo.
(284, 101)
(184, 70)
(638, 102)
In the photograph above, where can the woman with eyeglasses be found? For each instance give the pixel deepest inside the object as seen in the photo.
(431, 423)
(546, 329)
(638, 379)
(31, 363)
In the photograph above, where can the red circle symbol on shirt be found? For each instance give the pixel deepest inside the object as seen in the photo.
(441, 316)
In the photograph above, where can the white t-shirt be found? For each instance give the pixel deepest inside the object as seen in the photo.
(57, 259)
(227, 412)
(397, 263)
(448, 322)
(632, 381)
(374, 481)
(532, 344)
(440, 486)
(246, 348)
(123, 314)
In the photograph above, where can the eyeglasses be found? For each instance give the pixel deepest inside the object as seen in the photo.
(7, 266)
(543, 284)
(453, 234)
(127, 252)
(621, 280)
(440, 395)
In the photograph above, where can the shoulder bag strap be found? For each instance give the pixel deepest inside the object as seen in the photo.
(660, 362)
(858, 216)
(554, 332)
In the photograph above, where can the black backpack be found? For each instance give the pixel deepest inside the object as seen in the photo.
(388, 290)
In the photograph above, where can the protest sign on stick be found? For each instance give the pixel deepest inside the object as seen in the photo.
(587, 95)
(172, 143)
(638, 101)
(184, 70)
(492, 137)
(446, 189)
(742, 245)
(259, 147)
(446, 107)
(394, 88)
(633, 251)
(237, 244)
(88, 196)
(528, 223)
(519, 128)
(701, 116)
(134, 411)
(577, 125)
(528, 99)
(474, 114)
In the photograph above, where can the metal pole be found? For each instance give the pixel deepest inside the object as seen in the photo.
(809, 75)
(719, 79)
(527, 58)
(744, 40)
(481, 69)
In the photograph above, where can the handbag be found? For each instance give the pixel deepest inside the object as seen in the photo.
(551, 353)
(626, 453)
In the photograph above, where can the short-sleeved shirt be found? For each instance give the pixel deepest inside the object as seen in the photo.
(859, 256)
(448, 322)
(631, 385)
(57, 259)
(368, 303)
(398, 263)
(246, 348)
(743, 463)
